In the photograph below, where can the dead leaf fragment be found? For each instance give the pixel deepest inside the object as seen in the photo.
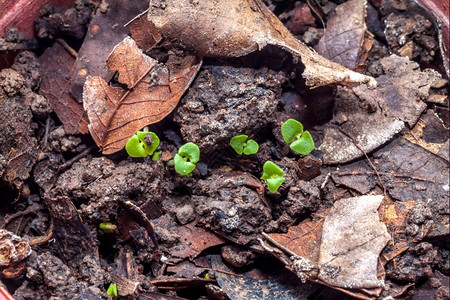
(194, 240)
(55, 67)
(154, 90)
(267, 283)
(105, 31)
(230, 28)
(352, 240)
(344, 38)
(144, 32)
(375, 116)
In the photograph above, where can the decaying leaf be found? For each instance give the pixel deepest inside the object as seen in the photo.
(230, 28)
(344, 40)
(352, 240)
(373, 117)
(105, 31)
(269, 284)
(153, 92)
(56, 67)
(410, 172)
(430, 134)
(144, 32)
(340, 250)
(303, 240)
(194, 240)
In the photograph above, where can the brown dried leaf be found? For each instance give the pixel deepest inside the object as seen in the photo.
(105, 31)
(116, 114)
(230, 28)
(352, 240)
(144, 32)
(303, 239)
(343, 40)
(194, 240)
(56, 68)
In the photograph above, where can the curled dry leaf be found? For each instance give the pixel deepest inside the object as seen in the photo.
(230, 28)
(154, 90)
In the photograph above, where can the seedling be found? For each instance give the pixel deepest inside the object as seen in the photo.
(273, 175)
(141, 144)
(241, 145)
(107, 227)
(292, 129)
(112, 290)
(186, 158)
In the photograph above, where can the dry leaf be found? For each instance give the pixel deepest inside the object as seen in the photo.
(154, 90)
(339, 250)
(352, 240)
(144, 32)
(230, 28)
(105, 31)
(55, 68)
(373, 117)
(269, 283)
(193, 241)
(343, 41)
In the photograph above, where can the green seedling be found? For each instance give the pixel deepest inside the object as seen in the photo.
(273, 175)
(186, 158)
(240, 144)
(141, 144)
(112, 290)
(107, 227)
(292, 129)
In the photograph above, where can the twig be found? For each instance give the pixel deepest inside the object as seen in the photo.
(66, 47)
(221, 271)
(43, 239)
(31, 210)
(386, 173)
(70, 162)
(47, 128)
(140, 217)
(367, 157)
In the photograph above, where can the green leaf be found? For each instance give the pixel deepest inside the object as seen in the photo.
(274, 183)
(149, 148)
(156, 155)
(271, 170)
(135, 148)
(183, 167)
(191, 151)
(107, 227)
(251, 147)
(304, 145)
(273, 175)
(237, 143)
(291, 129)
(112, 290)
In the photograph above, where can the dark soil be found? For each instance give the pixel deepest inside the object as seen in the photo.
(56, 189)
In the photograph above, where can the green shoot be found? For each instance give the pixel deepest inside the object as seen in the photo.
(240, 144)
(141, 144)
(273, 175)
(107, 227)
(112, 290)
(292, 129)
(186, 158)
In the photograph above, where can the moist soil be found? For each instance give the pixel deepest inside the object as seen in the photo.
(162, 229)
